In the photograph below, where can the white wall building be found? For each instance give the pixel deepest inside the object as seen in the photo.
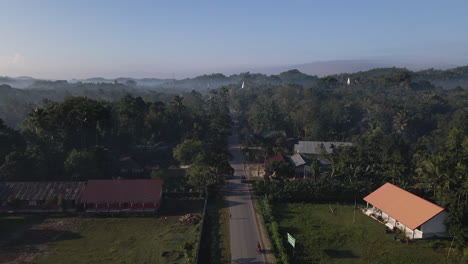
(417, 217)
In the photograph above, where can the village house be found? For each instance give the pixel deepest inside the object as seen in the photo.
(122, 195)
(39, 197)
(318, 147)
(399, 209)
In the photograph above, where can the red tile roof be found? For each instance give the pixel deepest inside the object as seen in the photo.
(405, 207)
(124, 191)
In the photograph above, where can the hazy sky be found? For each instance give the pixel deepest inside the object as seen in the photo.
(78, 39)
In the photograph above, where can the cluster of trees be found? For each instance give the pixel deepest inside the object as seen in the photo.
(405, 130)
(81, 138)
(208, 158)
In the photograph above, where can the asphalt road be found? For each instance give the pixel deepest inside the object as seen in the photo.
(243, 225)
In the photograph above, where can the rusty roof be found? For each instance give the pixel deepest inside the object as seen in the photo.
(279, 157)
(40, 190)
(122, 190)
(405, 207)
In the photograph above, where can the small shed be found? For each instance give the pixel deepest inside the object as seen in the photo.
(398, 208)
(301, 166)
(37, 197)
(122, 195)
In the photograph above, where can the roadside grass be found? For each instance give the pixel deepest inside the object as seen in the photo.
(324, 236)
(215, 245)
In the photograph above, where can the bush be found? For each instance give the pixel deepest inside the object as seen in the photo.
(273, 230)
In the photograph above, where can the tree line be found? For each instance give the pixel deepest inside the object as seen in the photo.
(81, 138)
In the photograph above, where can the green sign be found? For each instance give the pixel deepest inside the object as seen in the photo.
(291, 240)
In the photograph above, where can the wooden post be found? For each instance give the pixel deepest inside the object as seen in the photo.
(450, 248)
(354, 215)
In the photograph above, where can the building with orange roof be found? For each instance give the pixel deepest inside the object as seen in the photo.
(398, 208)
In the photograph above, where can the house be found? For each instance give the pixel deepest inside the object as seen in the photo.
(129, 166)
(400, 209)
(39, 197)
(301, 166)
(122, 195)
(318, 147)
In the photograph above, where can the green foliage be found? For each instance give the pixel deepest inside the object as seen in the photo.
(186, 151)
(281, 169)
(85, 164)
(272, 227)
(209, 168)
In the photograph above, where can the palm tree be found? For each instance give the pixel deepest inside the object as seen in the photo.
(400, 121)
(177, 104)
(36, 120)
(431, 172)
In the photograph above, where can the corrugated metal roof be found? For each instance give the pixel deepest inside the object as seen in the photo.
(316, 147)
(298, 160)
(122, 190)
(405, 207)
(40, 190)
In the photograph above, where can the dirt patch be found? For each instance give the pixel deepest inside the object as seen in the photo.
(27, 245)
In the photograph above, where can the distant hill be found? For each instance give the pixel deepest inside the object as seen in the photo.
(446, 79)
(324, 68)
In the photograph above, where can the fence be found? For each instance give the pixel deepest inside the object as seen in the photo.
(201, 229)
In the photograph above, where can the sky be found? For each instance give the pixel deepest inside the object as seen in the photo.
(67, 39)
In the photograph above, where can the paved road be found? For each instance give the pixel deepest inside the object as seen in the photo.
(243, 225)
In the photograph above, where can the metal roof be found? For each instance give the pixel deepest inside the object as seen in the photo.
(299, 160)
(40, 190)
(122, 190)
(405, 207)
(318, 147)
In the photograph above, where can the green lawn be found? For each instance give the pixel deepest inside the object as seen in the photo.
(324, 236)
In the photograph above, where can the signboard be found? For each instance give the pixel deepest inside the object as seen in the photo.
(291, 240)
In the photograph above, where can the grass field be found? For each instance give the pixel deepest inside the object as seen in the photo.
(124, 240)
(101, 239)
(324, 236)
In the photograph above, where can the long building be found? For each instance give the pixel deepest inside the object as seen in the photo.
(31, 197)
(122, 195)
(398, 208)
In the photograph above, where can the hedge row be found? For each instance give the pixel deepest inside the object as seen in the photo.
(273, 231)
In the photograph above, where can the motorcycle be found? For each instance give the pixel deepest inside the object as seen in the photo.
(259, 249)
